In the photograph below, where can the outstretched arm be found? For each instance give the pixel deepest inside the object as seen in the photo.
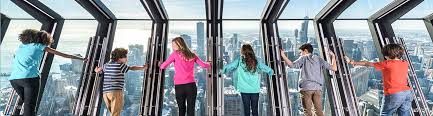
(144, 67)
(361, 63)
(286, 60)
(55, 52)
(333, 61)
(201, 63)
(168, 61)
(231, 66)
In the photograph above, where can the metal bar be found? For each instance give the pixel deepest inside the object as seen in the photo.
(3, 26)
(277, 84)
(343, 100)
(428, 20)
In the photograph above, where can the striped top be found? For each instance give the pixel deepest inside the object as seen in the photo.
(114, 73)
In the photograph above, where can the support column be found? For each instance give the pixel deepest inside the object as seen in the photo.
(3, 26)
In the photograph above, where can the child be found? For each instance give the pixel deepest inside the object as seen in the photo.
(25, 77)
(248, 82)
(185, 88)
(398, 94)
(311, 77)
(114, 81)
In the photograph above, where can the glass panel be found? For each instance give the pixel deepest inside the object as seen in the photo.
(127, 9)
(420, 11)
(11, 10)
(235, 34)
(185, 9)
(243, 9)
(358, 45)
(67, 8)
(7, 50)
(293, 35)
(364, 8)
(296, 9)
(64, 78)
(194, 36)
(132, 35)
(420, 48)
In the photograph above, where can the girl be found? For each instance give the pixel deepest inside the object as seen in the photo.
(185, 88)
(25, 68)
(248, 81)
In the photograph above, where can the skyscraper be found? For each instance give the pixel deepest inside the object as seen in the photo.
(201, 40)
(187, 39)
(303, 34)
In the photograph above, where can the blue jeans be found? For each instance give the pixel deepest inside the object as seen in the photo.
(398, 102)
(250, 101)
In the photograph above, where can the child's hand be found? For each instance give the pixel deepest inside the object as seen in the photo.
(347, 59)
(282, 52)
(331, 53)
(98, 69)
(146, 66)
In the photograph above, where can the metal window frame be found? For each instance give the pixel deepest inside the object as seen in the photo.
(89, 93)
(5, 20)
(214, 80)
(382, 32)
(279, 97)
(51, 23)
(428, 20)
(340, 90)
(153, 82)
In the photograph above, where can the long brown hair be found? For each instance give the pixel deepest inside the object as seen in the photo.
(183, 48)
(249, 57)
(35, 36)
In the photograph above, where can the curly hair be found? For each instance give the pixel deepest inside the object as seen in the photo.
(119, 53)
(35, 36)
(249, 57)
(393, 51)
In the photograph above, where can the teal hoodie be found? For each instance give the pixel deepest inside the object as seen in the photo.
(244, 80)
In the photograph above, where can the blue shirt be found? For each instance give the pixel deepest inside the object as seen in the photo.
(246, 81)
(27, 60)
(114, 76)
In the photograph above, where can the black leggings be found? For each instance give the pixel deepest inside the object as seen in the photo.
(188, 93)
(28, 90)
(250, 101)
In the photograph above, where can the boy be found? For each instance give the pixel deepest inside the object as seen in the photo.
(311, 77)
(398, 94)
(114, 80)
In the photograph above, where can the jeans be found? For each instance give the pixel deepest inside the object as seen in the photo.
(312, 98)
(250, 101)
(186, 93)
(398, 102)
(28, 90)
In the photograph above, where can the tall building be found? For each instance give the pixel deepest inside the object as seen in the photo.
(201, 40)
(187, 39)
(232, 102)
(303, 34)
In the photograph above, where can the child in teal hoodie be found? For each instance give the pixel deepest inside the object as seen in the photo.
(247, 76)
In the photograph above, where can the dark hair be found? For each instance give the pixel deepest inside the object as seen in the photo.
(118, 53)
(35, 36)
(183, 48)
(392, 51)
(307, 46)
(249, 57)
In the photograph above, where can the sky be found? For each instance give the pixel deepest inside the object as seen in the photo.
(232, 9)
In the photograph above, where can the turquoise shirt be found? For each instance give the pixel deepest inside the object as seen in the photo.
(244, 80)
(27, 60)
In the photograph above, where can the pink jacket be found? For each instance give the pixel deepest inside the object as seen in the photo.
(183, 69)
